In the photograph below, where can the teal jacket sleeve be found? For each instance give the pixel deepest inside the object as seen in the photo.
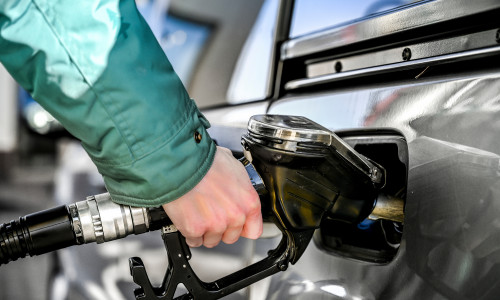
(97, 68)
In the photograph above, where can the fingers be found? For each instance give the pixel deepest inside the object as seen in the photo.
(231, 235)
(212, 239)
(226, 227)
(194, 242)
(222, 207)
(253, 225)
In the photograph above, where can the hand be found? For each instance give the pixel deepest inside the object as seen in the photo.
(223, 206)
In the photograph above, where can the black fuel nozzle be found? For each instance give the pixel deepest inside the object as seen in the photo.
(310, 173)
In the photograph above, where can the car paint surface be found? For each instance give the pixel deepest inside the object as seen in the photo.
(451, 234)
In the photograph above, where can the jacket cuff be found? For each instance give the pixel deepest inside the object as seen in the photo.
(167, 172)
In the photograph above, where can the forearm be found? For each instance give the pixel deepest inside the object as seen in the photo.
(97, 68)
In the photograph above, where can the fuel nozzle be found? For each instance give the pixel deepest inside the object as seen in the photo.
(310, 172)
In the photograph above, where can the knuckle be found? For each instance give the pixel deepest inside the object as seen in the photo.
(254, 207)
(195, 230)
(236, 219)
(218, 227)
(230, 240)
(210, 245)
(214, 226)
(194, 242)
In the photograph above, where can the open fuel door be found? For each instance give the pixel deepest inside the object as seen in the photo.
(375, 239)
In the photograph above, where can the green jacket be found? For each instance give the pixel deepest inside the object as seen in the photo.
(97, 68)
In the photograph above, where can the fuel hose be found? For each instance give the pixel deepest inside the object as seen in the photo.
(96, 219)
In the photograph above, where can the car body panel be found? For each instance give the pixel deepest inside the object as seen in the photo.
(453, 201)
(450, 240)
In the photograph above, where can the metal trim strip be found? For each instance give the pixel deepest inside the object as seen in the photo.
(424, 62)
(457, 44)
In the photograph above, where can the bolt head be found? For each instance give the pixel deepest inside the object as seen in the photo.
(406, 54)
(338, 67)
